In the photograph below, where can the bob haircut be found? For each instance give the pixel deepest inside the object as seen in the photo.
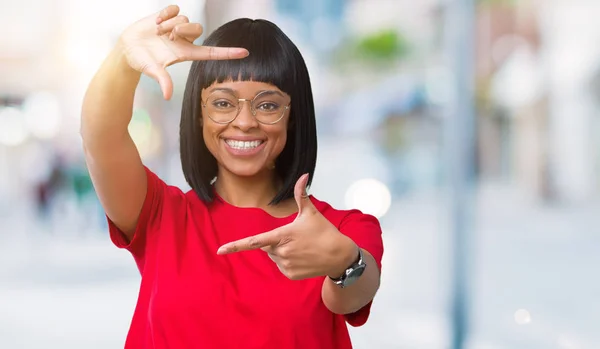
(273, 59)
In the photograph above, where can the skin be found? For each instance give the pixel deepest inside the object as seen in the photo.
(247, 181)
(310, 246)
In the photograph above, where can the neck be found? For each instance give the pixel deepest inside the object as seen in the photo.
(255, 191)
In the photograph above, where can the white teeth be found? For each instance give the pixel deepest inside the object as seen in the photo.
(243, 144)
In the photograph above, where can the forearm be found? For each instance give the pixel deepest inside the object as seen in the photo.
(352, 298)
(111, 155)
(108, 103)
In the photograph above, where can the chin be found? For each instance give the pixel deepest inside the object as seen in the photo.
(250, 170)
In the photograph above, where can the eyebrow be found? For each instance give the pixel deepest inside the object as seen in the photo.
(226, 89)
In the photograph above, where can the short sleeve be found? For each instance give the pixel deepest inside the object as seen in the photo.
(148, 216)
(365, 231)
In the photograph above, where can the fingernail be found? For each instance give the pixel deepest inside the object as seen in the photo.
(171, 37)
(241, 51)
(158, 20)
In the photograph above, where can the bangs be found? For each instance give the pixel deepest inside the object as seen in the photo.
(270, 60)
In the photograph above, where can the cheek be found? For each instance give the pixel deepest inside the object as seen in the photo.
(211, 139)
(279, 135)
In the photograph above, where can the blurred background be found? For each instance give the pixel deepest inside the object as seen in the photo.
(488, 192)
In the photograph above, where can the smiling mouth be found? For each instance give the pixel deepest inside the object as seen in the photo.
(243, 145)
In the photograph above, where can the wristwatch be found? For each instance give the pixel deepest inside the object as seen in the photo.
(352, 273)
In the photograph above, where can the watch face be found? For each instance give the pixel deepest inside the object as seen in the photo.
(354, 275)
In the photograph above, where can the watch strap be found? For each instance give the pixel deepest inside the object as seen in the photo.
(359, 263)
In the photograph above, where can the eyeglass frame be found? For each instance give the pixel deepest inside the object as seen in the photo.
(240, 107)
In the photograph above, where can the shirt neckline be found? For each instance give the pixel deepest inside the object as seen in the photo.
(255, 209)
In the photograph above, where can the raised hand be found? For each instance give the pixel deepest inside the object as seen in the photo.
(165, 38)
(310, 246)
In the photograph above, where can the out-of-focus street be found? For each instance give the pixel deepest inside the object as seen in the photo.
(403, 91)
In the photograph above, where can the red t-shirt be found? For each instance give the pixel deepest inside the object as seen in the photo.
(190, 297)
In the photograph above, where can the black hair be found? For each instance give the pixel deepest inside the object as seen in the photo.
(273, 59)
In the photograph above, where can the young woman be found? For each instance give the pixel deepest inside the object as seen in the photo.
(246, 259)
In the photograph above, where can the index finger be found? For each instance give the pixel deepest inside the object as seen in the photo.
(203, 53)
(251, 243)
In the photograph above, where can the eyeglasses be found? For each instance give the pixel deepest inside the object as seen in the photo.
(267, 107)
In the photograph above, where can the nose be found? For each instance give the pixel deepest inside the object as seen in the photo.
(245, 121)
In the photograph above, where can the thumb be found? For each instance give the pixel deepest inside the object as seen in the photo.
(163, 78)
(301, 196)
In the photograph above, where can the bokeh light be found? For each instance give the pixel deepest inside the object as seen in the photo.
(370, 196)
(13, 130)
(145, 136)
(522, 317)
(42, 115)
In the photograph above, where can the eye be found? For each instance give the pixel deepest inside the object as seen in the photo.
(223, 104)
(268, 107)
